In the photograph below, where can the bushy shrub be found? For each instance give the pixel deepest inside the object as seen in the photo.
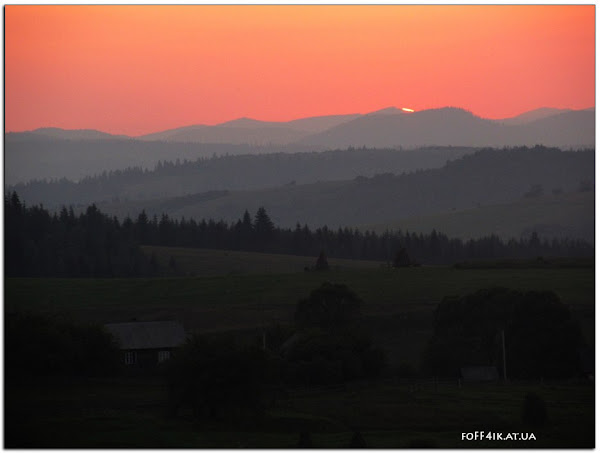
(217, 376)
(323, 357)
(330, 306)
(40, 346)
(329, 345)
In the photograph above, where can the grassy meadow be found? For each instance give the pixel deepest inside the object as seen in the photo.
(398, 303)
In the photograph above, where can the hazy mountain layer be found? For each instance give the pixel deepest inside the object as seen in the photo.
(274, 135)
(552, 215)
(58, 153)
(26, 159)
(485, 178)
(251, 131)
(64, 134)
(456, 127)
(235, 173)
(533, 115)
(392, 127)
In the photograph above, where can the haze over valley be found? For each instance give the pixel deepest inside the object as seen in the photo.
(50, 153)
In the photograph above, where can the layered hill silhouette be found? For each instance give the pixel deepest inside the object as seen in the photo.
(391, 126)
(56, 133)
(485, 178)
(74, 154)
(457, 127)
(533, 115)
(251, 131)
(234, 172)
(394, 127)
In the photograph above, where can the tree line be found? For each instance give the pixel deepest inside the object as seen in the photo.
(94, 244)
(40, 244)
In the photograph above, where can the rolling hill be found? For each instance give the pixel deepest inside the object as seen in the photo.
(393, 127)
(488, 177)
(241, 172)
(251, 131)
(27, 158)
(458, 127)
(57, 133)
(263, 135)
(533, 115)
(553, 216)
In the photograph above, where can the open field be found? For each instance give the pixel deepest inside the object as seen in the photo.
(130, 413)
(398, 303)
(262, 297)
(208, 262)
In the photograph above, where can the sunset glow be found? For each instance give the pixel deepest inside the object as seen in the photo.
(407, 110)
(140, 69)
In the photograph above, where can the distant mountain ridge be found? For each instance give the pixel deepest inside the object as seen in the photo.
(251, 131)
(65, 134)
(457, 127)
(533, 115)
(388, 127)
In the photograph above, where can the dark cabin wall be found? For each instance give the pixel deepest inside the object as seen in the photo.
(146, 359)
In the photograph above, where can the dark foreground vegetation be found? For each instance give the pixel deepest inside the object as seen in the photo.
(321, 380)
(95, 245)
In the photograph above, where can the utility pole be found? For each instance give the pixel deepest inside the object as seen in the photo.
(503, 355)
(387, 234)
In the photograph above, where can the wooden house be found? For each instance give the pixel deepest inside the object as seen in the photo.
(146, 344)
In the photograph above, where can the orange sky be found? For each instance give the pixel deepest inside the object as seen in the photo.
(140, 69)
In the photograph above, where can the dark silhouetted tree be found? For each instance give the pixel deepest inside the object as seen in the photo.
(541, 337)
(322, 264)
(330, 345)
(329, 306)
(40, 346)
(217, 377)
(402, 259)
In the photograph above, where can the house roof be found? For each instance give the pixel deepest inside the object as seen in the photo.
(148, 335)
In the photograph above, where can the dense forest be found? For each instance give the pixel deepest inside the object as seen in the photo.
(93, 244)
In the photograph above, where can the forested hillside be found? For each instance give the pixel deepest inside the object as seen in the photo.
(233, 172)
(485, 178)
